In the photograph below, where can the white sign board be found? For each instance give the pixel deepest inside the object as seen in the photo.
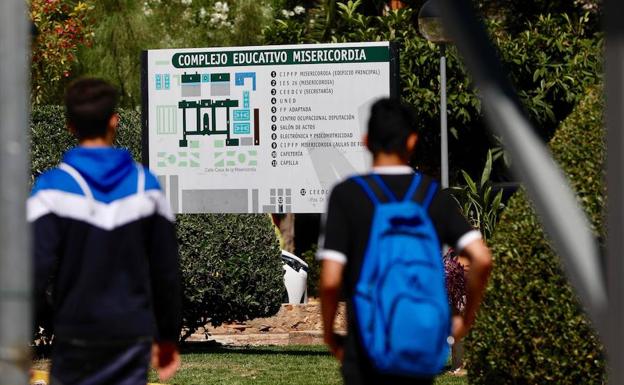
(260, 129)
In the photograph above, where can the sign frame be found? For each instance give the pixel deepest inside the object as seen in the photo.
(394, 81)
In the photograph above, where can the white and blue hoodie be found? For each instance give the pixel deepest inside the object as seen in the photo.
(105, 241)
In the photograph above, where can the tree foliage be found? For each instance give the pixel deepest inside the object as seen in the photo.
(515, 14)
(62, 27)
(120, 34)
(550, 48)
(551, 59)
(124, 28)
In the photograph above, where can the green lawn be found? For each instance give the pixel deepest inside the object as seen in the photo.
(288, 365)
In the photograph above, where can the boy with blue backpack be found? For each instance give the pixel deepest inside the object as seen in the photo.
(381, 245)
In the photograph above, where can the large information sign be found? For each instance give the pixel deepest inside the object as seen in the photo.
(260, 129)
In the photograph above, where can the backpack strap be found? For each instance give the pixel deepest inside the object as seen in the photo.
(367, 189)
(140, 179)
(374, 186)
(431, 191)
(82, 183)
(411, 191)
(386, 190)
(84, 186)
(422, 190)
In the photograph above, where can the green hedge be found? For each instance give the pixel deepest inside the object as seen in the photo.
(50, 139)
(231, 268)
(230, 264)
(531, 328)
(314, 271)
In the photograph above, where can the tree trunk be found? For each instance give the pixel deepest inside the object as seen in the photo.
(286, 225)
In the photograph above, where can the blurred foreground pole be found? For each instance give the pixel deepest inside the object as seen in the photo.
(614, 87)
(555, 203)
(15, 257)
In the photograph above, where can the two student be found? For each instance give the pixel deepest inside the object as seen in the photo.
(104, 231)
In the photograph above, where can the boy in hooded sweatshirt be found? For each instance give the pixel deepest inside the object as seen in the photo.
(105, 254)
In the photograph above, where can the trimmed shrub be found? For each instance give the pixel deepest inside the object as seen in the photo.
(314, 271)
(50, 139)
(531, 328)
(231, 267)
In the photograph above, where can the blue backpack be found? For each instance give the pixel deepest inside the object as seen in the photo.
(400, 298)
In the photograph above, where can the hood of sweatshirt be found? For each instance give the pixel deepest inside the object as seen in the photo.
(104, 168)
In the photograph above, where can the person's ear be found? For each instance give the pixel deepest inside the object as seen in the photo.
(412, 140)
(365, 141)
(113, 122)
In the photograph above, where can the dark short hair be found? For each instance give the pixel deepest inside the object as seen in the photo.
(390, 124)
(89, 105)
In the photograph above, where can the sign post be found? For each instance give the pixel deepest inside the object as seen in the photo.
(15, 261)
(615, 183)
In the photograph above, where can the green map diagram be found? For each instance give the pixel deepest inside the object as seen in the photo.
(239, 118)
(224, 113)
